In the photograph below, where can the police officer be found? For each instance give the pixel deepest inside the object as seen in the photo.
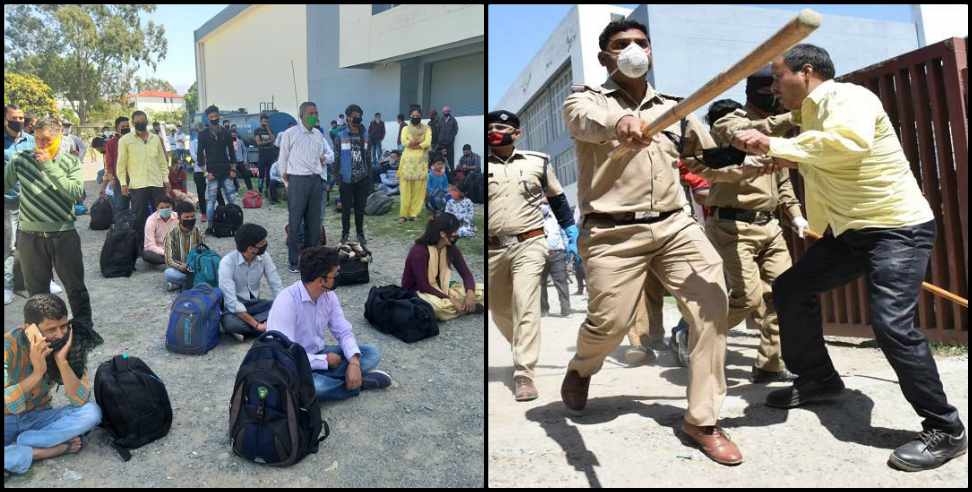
(742, 226)
(516, 182)
(634, 225)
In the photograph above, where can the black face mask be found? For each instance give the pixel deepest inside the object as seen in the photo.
(262, 250)
(214, 122)
(416, 121)
(126, 131)
(722, 156)
(356, 120)
(16, 126)
(189, 224)
(766, 102)
(141, 127)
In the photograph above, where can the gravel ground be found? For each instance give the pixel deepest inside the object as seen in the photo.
(625, 438)
(427, 430)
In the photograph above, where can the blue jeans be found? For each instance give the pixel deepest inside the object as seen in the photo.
(329, 384)
(177, 277)
(44, 429)
(229, 193)
(375, 152)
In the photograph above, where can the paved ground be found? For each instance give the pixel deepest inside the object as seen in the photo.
(427, 430)
(626, 439)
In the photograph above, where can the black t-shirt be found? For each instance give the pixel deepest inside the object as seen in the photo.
(264, 143)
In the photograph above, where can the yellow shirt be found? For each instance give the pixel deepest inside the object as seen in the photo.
(142, 163)
(856, 173)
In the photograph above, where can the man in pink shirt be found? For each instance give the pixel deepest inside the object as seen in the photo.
(157, 226)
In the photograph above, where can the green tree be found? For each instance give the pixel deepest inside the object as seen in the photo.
(192, 100)
(84, 52)
(28, 92)
(153, 84)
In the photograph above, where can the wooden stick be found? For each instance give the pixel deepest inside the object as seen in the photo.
(934, 289)
(800, 27)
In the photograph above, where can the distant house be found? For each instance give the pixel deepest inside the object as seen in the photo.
(158, 101)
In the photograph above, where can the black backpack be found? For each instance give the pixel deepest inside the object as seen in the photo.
(354, 264)
(275, 418)
(399, 312)
(134, 403)
(101, 214)
(120, 250)
(227, 219)
(473, 186)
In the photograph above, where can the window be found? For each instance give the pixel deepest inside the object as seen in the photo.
(565, 165)
(542, 120)
(377, 8)
(617, 17)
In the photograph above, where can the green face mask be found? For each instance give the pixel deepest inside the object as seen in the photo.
(312, 120)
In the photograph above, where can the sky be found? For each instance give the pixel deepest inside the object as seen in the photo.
(180, 21)
(516, 32)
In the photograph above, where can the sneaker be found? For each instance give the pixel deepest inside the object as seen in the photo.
(375, 380)
(761, 376)
(171, 286)
(638, 355)
(679, 344)
(931, 449)
(7, 296)
(56, 289)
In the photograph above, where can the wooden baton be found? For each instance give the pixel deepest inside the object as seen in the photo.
(800, 27)
(934, 289)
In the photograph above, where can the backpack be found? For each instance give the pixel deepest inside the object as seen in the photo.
(399, 312)
(275, 418)
(134, 404)
(120, 250)
(194, 321)
(226, 220)
(101, 214)
(473, 184)
(354, 264)
(378, 203)
(204, 264)
(252, 199)
(80, 209)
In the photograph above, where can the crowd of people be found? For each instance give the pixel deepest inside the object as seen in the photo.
(145, 175)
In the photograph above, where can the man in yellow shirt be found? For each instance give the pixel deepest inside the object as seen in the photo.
(142, 164)
(862, 195)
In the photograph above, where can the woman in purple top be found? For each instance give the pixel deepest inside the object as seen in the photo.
(305, 309)
(429, 267)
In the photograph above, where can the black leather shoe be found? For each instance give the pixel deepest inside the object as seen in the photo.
(801, 393)
(761, 376)
(573, 391)
(931, 449)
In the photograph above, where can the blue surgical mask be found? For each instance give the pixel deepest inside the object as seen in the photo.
(165, 213)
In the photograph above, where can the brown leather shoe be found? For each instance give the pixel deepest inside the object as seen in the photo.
(714, 443)
(574, 391)
(525, 390)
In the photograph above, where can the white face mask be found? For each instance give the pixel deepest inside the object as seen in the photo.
(633, 62)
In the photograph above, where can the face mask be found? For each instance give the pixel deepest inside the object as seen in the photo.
(262, 250)
(633, 62)
(234, 139)
(165, 213)
(126, 131)
(141, 127)
(189, 224)
(59, 343)
(14, 126)
(356, 120)
(416, 121)
(54, 147)
(312, 120)
(498, 139)
(766, 102)
(214, 122)
(446, 113)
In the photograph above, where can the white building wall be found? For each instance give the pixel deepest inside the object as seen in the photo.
(938, 22)
(247, 60)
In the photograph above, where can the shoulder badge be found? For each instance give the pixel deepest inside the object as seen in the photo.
(674, 98)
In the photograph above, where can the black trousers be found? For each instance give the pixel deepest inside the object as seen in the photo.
(258, 308)
(142, 198)
(894, 262)
(266, 161)
(353, 197)
(200, 179)
(243, 171)
(152, 257)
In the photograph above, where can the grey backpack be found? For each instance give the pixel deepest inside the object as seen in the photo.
(378, 203)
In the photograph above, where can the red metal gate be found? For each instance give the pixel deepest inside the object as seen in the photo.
(925, 94)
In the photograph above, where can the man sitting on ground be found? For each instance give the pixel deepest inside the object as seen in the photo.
(157, 227)
(178, 243)
(389, 174)
(35, 357)
(239, 278)
(428, 268)
(305, 309)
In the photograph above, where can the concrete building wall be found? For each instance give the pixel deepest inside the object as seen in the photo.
(272, 34)
(405, 30)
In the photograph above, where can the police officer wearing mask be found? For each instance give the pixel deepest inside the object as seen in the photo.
(517, 181)
(634, 225)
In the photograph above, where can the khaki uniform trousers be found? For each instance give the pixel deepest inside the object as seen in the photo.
(619, 260)
(443, 308)
(514, 298)
(753, 256)
(649, 321)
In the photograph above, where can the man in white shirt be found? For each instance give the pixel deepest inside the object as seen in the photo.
(303, 151)
(240, 273)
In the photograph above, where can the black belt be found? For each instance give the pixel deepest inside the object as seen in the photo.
(630, 217)
(751, 216)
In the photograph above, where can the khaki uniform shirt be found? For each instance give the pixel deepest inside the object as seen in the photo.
(732, 186)
(629, 180)
(514, 190)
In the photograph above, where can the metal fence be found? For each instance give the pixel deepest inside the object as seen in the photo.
(925, 94)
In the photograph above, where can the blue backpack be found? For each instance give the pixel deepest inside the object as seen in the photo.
(204, 264)
(194, 321)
